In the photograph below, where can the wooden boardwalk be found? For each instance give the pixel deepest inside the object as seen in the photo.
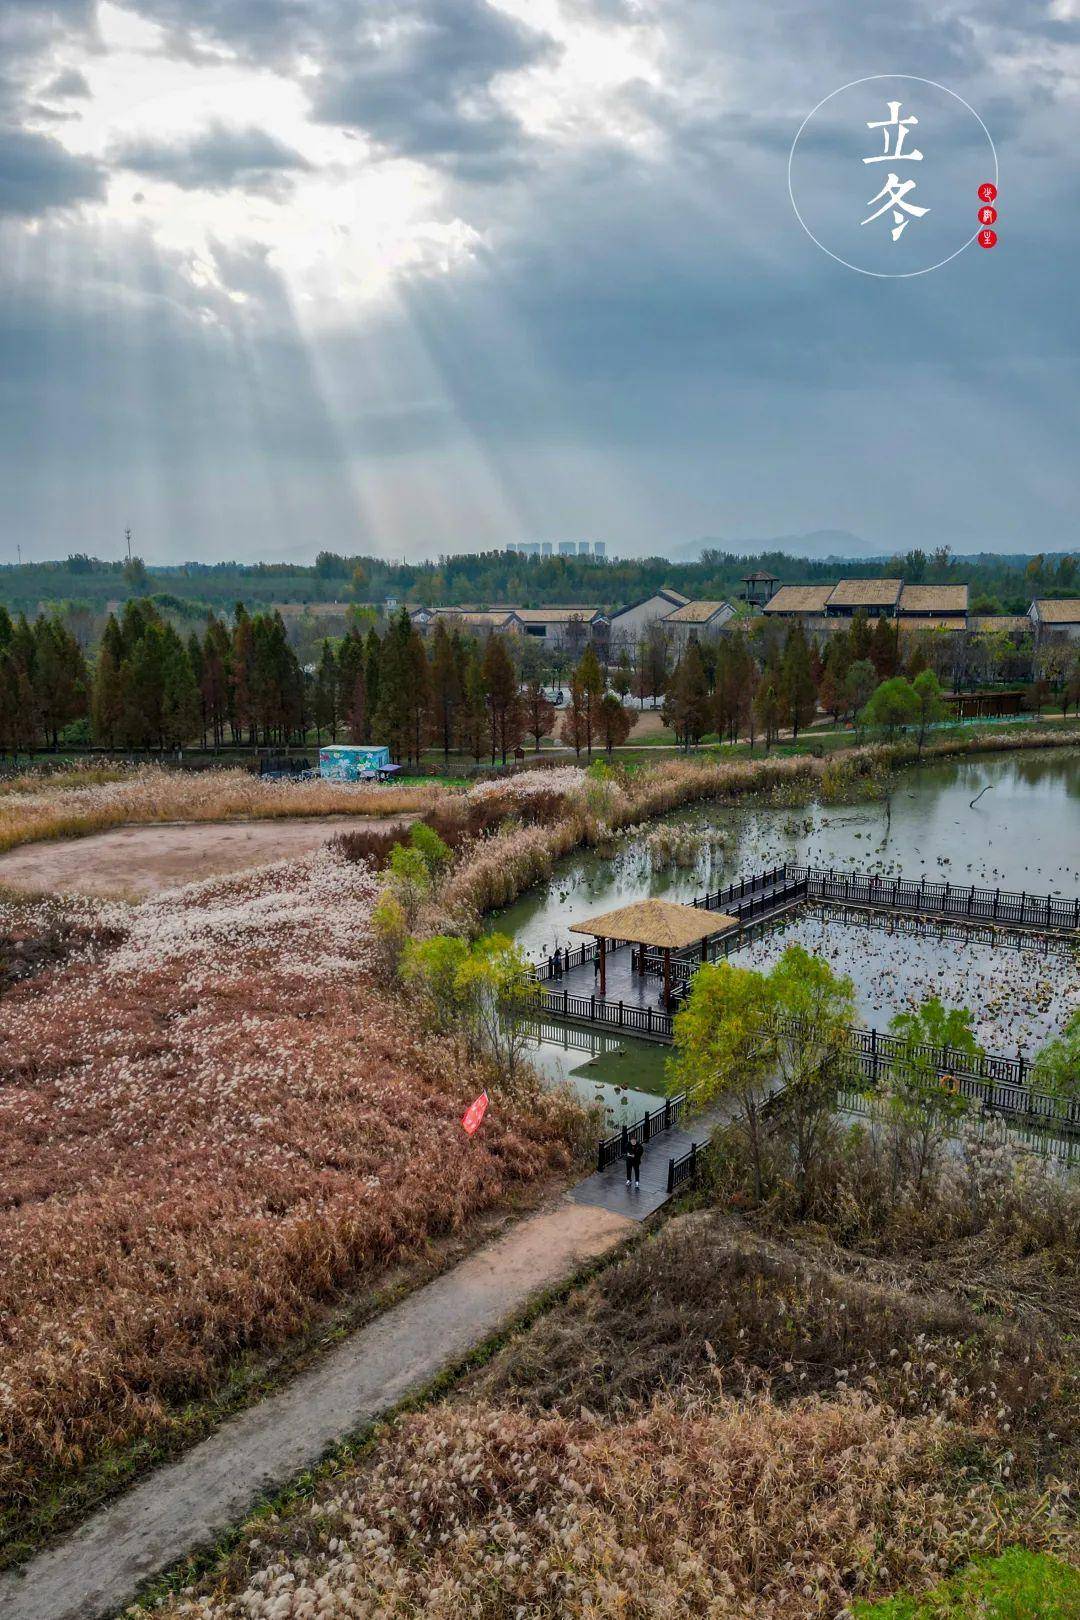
(607, 1189)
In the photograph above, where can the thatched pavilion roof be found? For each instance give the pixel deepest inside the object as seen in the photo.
(660, 923)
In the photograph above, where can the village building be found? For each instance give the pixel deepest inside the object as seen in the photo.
(629, 624)
(877, 598)
(1056, 616)
(696, 621)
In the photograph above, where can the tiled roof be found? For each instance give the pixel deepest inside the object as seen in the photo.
(1058, 610)
(799, 599)
(865, 593)
(557, 615)
(911, 627)
(697, 612)
(934, 599)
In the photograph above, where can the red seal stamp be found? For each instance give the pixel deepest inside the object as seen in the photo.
(988, 239)
(987, 191)
(987, 215)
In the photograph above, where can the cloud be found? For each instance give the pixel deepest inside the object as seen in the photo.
(216, 159)
(68, 82)
(422, 87)
(37, 174)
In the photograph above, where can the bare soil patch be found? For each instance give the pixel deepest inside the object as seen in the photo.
(136, 862)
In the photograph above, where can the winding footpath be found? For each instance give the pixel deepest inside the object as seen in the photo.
(189, 1503)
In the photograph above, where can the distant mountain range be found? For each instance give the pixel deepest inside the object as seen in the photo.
(818, 544)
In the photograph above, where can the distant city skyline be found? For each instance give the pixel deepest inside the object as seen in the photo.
(450, 275)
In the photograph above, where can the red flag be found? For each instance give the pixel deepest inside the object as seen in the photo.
(475, 1112)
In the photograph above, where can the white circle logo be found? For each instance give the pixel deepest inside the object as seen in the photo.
(884, 174)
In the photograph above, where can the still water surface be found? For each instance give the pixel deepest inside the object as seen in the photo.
(1023, 833)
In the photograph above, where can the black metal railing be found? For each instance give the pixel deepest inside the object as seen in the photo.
(682, 1170)
(1039, 911)
(998, 1083)
(665, 1118)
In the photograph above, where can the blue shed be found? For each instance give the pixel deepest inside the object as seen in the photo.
(354, 762)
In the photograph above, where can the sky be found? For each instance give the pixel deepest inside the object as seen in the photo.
(442, 275)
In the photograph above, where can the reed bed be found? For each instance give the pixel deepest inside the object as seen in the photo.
(735, 1509)
(35, 807)
(206, 1133)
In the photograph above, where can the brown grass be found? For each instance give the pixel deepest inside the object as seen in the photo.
(36, 807)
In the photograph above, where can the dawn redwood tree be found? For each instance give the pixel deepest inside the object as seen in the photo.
(216, 664)
(572, 727)
(357, 714)
(241, 672)
(505, 718)
(797, 689)
(859, 683)
(195, 659)
(591, 680)
(447, 685)
(473, 719)
(613, 722)
(107, 694)
(539, 713)
(325, 696)
(883, 648)
(59, 677)
(417, 692)
(393, 716)
(769, 702)
(351, 664)
(687, 702)
(859, 638)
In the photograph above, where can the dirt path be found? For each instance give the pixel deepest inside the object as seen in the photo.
(191, 1501)
(134, 862)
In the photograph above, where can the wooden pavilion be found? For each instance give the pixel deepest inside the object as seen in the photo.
(661, 925)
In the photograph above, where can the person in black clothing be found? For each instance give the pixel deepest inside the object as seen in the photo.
(558, 962)
(633, 1164)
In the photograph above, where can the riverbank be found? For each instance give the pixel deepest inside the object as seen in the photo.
(608, 800)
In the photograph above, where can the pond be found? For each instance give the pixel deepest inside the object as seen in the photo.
(1022, 832)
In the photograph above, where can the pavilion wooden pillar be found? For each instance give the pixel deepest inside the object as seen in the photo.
(667, 977)
(603, 966)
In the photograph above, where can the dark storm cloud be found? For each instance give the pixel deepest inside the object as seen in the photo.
(216, 159)
(37, 174)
